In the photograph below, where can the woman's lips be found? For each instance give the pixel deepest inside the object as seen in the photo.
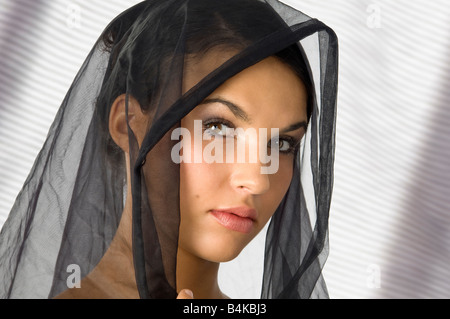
(239, 219)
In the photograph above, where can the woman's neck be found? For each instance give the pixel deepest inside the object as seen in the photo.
(113, 277)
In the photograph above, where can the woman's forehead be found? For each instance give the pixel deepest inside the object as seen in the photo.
(268, 85)
(198, 67)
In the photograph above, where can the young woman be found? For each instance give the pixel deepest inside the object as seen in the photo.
(189, 127)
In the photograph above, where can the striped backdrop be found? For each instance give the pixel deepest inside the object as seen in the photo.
(390, 217)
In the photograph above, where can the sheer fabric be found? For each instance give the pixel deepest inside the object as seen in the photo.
(71, 204)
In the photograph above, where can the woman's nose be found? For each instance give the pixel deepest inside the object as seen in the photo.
(248, 171)
(247, 177)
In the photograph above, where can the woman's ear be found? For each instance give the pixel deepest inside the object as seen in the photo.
(118, 121)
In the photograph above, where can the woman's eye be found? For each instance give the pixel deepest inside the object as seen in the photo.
(217, 129)
(283, 145)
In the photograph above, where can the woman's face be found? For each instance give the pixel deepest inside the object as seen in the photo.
(224, 204)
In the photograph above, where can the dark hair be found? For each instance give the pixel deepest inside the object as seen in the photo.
(204, 24)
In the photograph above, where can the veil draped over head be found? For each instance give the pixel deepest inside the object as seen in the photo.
(72, 202)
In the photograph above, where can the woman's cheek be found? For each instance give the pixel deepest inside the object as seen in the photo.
(279, 184)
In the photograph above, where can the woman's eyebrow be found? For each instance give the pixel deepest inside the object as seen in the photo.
(295, 126)
(236, 110)
(240, 113)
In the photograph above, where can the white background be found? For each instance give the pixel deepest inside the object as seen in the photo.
(389, 224)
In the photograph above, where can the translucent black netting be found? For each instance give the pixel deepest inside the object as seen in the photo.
(71, 204)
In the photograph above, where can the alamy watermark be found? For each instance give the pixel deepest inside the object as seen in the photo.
(74, 279)
(73, 16)
(373, 20)
(373, 280)
(235, 139)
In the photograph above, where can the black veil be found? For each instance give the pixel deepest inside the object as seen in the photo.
(71, 204)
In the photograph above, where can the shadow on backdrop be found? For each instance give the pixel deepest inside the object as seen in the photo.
(419, 256)
(21, 24)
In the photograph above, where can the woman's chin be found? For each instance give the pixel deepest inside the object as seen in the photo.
(217, 250)
(222, 255)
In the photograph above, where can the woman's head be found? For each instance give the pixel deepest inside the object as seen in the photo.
(275, 93)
